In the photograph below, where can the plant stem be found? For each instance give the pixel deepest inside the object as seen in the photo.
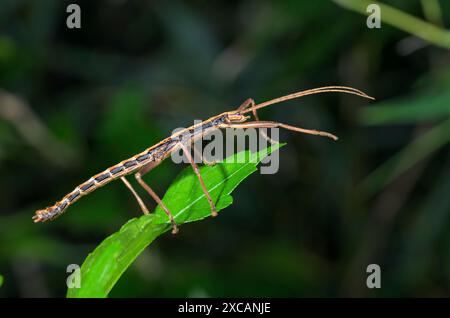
(402, 21)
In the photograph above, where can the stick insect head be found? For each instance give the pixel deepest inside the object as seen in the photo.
(236, 117)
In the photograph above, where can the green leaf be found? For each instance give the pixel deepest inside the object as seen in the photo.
(1, 280)
(185, 198)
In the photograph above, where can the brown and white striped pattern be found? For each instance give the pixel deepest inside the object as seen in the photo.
(155, 153)
(123, 168)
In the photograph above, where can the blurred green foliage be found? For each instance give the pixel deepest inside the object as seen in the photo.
(427, 31)
(73, 102)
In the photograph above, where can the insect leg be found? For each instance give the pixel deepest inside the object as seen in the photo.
(200, 155)
(200, 179)
(273, 124)
(250, 103)
(138, 198)
(152, 193)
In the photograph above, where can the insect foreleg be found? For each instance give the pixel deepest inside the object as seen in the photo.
(273, 124)
(250, 103)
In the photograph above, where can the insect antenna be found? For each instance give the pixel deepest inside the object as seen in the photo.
(326, 89)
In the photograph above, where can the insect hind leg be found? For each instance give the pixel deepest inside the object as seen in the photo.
(136, 196)
(153, 194)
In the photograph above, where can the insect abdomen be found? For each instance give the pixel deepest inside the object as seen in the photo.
(125, 167)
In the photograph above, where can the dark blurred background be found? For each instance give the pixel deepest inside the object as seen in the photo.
(75, 101)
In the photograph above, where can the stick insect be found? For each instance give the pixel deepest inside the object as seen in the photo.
(150, 158)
